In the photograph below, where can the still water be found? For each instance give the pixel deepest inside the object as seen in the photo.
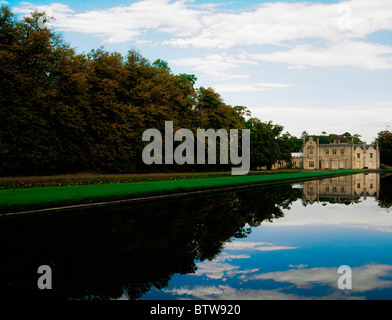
(282, 242)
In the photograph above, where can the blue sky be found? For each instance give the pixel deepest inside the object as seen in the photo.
(306, 65)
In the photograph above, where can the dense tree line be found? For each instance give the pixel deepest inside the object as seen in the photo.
(325, 138)
(62, 111)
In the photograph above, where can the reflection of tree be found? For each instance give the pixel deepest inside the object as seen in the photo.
(385, 196)
(267, 204)
(104, 252)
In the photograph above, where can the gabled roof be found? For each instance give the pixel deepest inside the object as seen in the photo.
(367, 146)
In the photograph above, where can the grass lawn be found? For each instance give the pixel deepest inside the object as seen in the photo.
(95, 178)
(64, 194)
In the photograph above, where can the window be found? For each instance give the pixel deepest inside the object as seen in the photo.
(327, 188)
(342, 189)
(371, 186)
(342, 151)
(334, 189)
(358, 185)
(334, 151)
(358, 155)
(311, 164)
(327, 152)
(371, 155)
(310, 151)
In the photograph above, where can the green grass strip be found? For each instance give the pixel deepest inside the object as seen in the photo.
(47, 195)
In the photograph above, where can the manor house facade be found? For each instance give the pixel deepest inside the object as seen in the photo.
(336, 156)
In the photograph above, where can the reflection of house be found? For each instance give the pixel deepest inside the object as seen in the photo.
(337, 156)
(343, 188)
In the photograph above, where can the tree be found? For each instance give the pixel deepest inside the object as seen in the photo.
(286, 145)
(161, 64)
(64, 112)
(191, 78)
(265, 147)
(385, 145)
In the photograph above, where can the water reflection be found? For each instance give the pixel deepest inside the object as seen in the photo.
(255, 244)
(342, 189)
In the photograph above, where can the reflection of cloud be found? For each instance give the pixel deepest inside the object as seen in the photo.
(258, 246)
(219, 269)
(298, 266)
(364, 278)
(225, 292)
(367, 216)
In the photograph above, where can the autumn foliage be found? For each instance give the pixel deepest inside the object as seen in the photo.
(64, 112)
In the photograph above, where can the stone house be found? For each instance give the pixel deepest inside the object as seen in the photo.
(336, 156)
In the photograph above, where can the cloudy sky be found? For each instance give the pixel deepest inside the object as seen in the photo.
(315, 65)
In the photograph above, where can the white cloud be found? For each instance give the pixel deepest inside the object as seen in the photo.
(277, 23)
(363, 119)
(211, 26)
(216, 65)
(251, 87)
(347, 53)
(124, 23)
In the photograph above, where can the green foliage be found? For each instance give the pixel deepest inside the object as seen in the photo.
(161, 64)
(385, 144)
(267, 144)
(63, 112)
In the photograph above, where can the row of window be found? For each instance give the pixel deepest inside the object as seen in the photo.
(334, 189)
(334, 151)
(370, 155)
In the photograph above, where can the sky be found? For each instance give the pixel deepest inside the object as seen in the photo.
(314, 65)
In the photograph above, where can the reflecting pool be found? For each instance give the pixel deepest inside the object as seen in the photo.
(281, 242)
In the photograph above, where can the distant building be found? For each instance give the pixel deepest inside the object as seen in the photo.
(335, 156)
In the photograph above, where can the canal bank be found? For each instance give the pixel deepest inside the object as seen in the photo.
(61, 198)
